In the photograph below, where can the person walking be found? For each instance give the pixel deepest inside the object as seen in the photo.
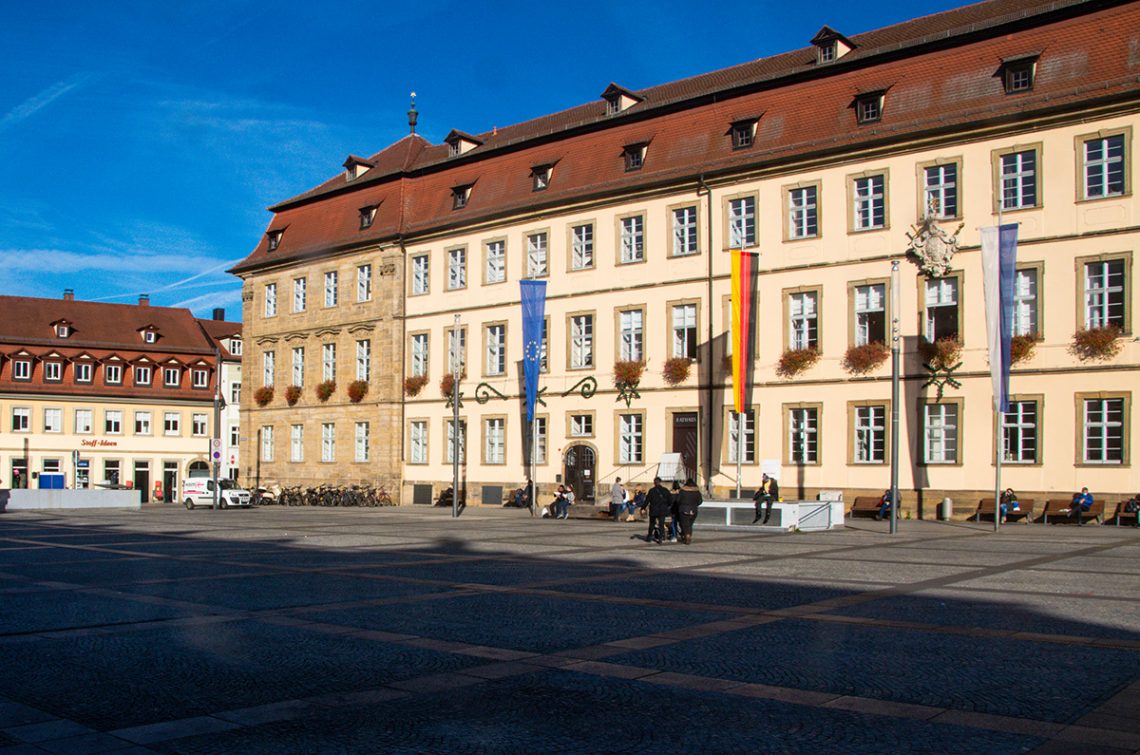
(688, 501)
(660, 505)
(768, 493)
(617, 499)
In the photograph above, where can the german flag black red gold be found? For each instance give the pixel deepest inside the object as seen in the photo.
(744, 294)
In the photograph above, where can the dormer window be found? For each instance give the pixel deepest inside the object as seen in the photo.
(1018, 72)
(354, 167)
(619, 99)
(275, 239)
(743, 133)
(459, 196)
(830, 45)
(367, 216)
(869, 107)
(634, 155)
(459, 143)
(53, 372)
(150, 336)
(540, 175)
(613, 105)
(235, 347)
(63, 330)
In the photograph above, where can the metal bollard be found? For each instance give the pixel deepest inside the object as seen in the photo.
(946, 510)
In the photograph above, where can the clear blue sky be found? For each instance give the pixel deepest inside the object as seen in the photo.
(141, 141)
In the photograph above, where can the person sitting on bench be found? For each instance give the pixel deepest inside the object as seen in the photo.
(767, 494)
(1009, 503)
(1082, 502)
(884, 506)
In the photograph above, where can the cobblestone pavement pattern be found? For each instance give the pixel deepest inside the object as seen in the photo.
(403, 630)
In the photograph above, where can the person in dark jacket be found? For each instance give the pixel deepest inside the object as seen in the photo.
(674, 519)
(768, 493)
(688, 501)
(660, 506)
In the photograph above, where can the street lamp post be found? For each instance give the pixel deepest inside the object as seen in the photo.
(895, 346)
(455, 419)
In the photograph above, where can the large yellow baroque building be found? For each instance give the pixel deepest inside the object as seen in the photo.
(832, 162)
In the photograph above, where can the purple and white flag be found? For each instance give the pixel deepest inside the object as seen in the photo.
(999, 258)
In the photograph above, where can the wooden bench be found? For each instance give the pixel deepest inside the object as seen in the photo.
(866, 504)
(1125, 515)
(1025, 510)
(1058, 508)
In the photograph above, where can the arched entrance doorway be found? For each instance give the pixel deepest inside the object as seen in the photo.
(579, 465)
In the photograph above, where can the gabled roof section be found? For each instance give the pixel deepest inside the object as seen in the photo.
(827, 34)
(460, 142)
(354, 167)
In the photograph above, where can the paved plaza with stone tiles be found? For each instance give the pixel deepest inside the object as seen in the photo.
(404, 630)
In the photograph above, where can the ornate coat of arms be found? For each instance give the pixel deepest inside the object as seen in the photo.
(932, 245)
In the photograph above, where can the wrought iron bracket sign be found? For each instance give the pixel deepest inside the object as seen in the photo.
(483, 393)
(587, 386)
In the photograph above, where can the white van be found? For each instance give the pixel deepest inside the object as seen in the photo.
(199, 491)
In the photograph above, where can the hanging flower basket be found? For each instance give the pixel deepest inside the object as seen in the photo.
(943, 354)
(326, 390)
(357, 390)
(447, 384)
(628, 373)
(414, 384)
(859, 360)
(1021, 349)
(263, 395)
(676, 370)
(794, 361)
(1096, 344)
(292, 394)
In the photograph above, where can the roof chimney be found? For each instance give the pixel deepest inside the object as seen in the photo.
(219, 313)
(69, 294)
(144, 300)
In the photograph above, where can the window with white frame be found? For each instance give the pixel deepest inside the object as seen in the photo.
(941, 308)
(496, 258)
(199, 425)
(940, 433)
(364, 359)
(53, 372)
(149, 336)
(420, 354)
(743, 134)
(328, 441)
(1104, 173)
(143, 423)
(540, 441)
(543, 364)
(581, 341)
(268, 368)
(235, 436)
(420, 271)
(940, 190)
(803, 320)
(1104, 294)
(360, 442)
(332, 288)
(631, 335)
(456, 350)
(113, 374)
(870, 314)
(1025, 302)
(63, 330)
(171, 423)
(235, 393)
(634, 156)
(494, 440)
(299, 293)
(631, 428)
(328, 361)
(1103, 426)
(457, 268)
(200, 378)
(113, 422)
(803, 213)
(296, 443)
(870, 434)
(869, 203)
(684, 222)
(582, 246)
(143, 375)
(84, 372)
(684, 325)
(267, 443)
(450, 457)
(364, 283)
(299, 366)
(741, 222)
(270, 299)
(1018, 180)
(235, 347)
(21, 419)
(581, 425)
(1019, 433)
(496, 349)
(171, 377)
(633, 239)
(869, 107)
(419, 442)
(84, 421)
(803, 435)
(742, 437)
(537, 251)
(22, 369)
(53, 420)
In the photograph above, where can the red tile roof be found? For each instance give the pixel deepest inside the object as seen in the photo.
(938, 72)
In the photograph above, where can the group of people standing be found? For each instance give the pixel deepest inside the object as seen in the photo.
(681, 504)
